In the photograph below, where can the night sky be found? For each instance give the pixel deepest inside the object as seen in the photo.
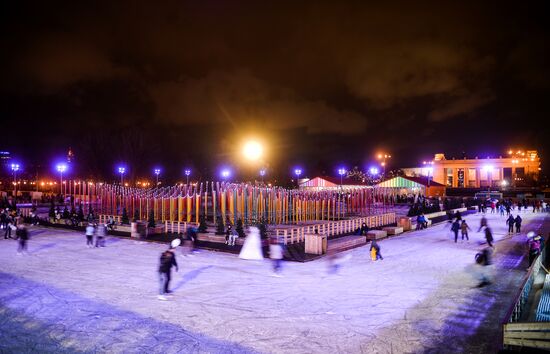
(182, 83)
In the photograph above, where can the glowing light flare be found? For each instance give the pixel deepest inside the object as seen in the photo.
(61, 167)
(187, 172)
(342, 171)
(253, 150)
(373, 171)
(298, 172)
(122, 170)
(15, 167)
(157, 171)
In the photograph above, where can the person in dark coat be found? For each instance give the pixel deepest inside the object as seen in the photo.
(364, 229)
(23, 235)
(167, 261)
(482, 223)
(518, 224)
(510, 222)
(489, 236)
(455, 227)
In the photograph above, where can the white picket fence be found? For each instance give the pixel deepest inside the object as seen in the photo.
(297, 234)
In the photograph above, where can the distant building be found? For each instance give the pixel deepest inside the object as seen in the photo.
(517, 169)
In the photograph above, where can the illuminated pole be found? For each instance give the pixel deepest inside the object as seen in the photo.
(298, 172)
(430, 169)
(341, 172)
(225, 175)
(121, 170)
(383, 157)
(157, 172)
(61, 168)
(15, 168)
(187, 173)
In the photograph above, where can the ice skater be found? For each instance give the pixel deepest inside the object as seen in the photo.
(375, 251)
(482, 223)
(23, 235)
(510, 222)
(518, 224)
(483, 261)
(90, 236)
(489, 236)
(100, 235)
(464, 230)
(455, 227)
(276, 255)
(167, 261)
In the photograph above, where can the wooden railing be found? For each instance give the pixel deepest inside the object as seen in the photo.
(175, 227)
(104, 218)
(529, 334)
(297, 234)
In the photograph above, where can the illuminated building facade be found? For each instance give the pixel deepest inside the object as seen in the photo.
(517, 169)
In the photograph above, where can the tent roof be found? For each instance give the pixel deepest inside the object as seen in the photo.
(408, 182)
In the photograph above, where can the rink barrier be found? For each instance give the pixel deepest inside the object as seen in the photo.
(175, 227)
(516, 333)
(25, 212)
(104, 218)
(297, 234)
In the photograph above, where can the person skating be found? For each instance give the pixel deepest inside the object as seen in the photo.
(489, 236)
(454, 228)
(100, 235)
(167, 261)
(90, 236)
(483, 260)
(375, 251)
(23, 236)
(464, 229)
(276, 255)
(510, 222)
(518, 224)
(482, 223)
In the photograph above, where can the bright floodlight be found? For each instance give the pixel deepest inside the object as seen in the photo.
(157, 171)
(504, 183)
(298, 172)
(121, 170)
(373, 171)
(252, 150)
(61, 167)
(341, 171)
(262, 173)
(187, 172)
(225, 173)
(488, 168)
(15, 167)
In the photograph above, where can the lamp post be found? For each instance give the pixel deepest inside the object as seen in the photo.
(430, 169)
(15, 168)
(341, 172)
(121, 170)
(298, 172)
(157, 172)
(187, 173)
(262, 174)
(225, 175)
(61, 167)
(383, 157)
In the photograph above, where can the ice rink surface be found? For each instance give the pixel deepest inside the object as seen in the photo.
(66, 298)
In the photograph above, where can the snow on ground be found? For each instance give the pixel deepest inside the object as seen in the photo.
(64, 297)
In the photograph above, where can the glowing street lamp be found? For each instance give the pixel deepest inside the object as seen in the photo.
(430, 169)
(262, 174)
(187, 173)
(373, 171)
(383, 157)
(341, 172)
(122, 170)
(157, 172)
(298, 172)
(61, 168)
(225, 174)
(15, 167)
